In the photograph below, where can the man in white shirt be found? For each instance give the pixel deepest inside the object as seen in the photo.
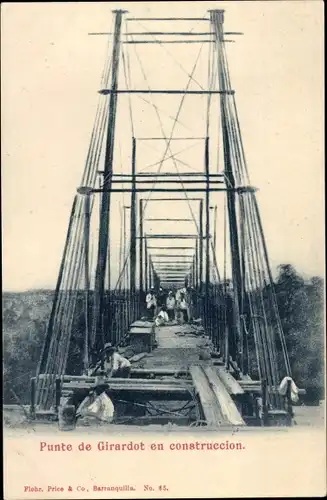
(114, 364)
(183, 306)
(151, 303)
(170, 304)
(162, 317)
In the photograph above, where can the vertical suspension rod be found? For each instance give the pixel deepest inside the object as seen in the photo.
(146, 258)
(87, 214)
(215, 230)
(150, 272)
(133, 222)
(217, 20)
(201, 244)
(47, 341)
(207, 219)
(141, 243)
(197, 263)
(103, 245)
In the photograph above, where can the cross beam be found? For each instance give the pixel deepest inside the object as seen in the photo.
(239, 190)
(170, 255)
(174, 199)
(166, 267)
(170, 138)
(163, 174)
(159, 190)
(159, 33)
(171, 248)
(171, 236)
(165, 91)
(177, 262)
(167, 219)
(165, 181)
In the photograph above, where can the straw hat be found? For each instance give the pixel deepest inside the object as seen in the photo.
(108, 347)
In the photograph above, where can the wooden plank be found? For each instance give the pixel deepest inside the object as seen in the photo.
(218, 362)
(138, 372)
(249, 385)
(138, 357)
(227, 405)
(253, 389)
(232, 385)
(114, 386)
(248, 382)
(15, 407)
(135, 388)
(209, 403)
(146, 324)
(254, 386)
(140, 330)
(159, 371)
(143, 396)
(130, 381)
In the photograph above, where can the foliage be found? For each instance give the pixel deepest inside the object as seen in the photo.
(24, 323)
(301, 306)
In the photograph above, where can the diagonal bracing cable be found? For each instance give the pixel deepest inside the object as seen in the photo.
(171, 135)
(161, 44)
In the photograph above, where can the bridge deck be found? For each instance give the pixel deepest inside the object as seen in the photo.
(177, 348)
(183, 347)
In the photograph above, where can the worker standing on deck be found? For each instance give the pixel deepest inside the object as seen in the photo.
(161, 299)
(183, 306)
(178, 295)
(190, 302)
(171, 304)
(151, 303)
(178, 312)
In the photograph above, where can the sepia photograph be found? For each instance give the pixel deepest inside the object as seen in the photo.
(163, 249)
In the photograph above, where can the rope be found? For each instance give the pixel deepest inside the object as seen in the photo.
(128, 88)
(65, 304)
(164, 112)
(170, 157)
(255, 268)
(170, 54)
(171, 135)
(177, 116)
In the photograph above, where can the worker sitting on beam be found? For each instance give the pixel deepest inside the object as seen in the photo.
(112, 363)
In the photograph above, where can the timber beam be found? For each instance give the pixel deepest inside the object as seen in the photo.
(239, 190)
(165, 91)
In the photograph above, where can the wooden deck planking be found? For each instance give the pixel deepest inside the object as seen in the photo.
(176, 350)
(231, 384)
(211, 408)
(226, 403)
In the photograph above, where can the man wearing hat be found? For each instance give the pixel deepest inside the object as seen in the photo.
(114, 365)
(171, 304)
(151, 303)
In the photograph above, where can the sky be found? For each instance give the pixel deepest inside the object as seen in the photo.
(51, 72)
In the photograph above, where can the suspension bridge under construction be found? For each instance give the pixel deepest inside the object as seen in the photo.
(165, 200)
